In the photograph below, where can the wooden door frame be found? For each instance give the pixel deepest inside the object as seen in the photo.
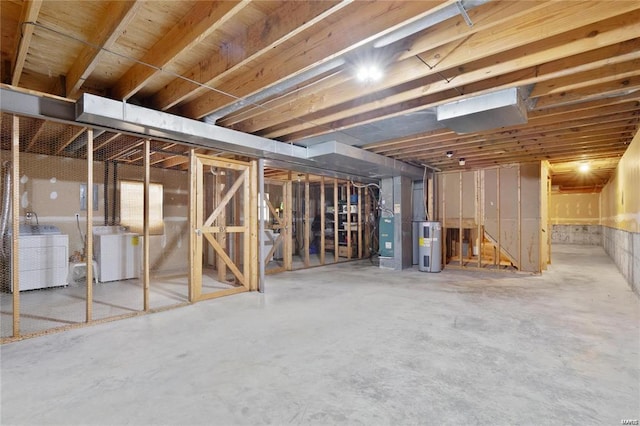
(201, 229)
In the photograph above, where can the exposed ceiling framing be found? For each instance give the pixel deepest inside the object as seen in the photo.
(256, 67)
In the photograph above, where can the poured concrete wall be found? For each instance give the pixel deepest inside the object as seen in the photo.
(577, 234)
(620, 201)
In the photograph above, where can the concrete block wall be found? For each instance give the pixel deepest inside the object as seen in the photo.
(577, 234)
(624, 248)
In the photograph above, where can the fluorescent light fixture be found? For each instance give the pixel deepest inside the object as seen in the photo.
(584, 167)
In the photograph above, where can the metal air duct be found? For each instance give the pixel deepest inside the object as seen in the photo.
(489, 111)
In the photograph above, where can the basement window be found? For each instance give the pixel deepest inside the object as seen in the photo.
(132, 207)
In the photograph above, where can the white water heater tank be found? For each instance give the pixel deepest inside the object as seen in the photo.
(430, 246)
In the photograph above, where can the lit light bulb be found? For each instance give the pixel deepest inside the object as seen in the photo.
(462, 161)
(369, 73)
(584, 167)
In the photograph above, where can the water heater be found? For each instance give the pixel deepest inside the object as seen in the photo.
(430, 246)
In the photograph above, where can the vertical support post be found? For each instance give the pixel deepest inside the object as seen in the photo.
(307, 225)
(348, 227)
(480, 190)
(145, 227)
(520, 223)
(251, 233)
(460, 229)
(114, 188)
(15, 222)
(322, 220)
(221, 220)
(105, 179)
(261, 221)
(237, 238)
(336, 212)
(288, 208)
(367, 223)
(499, 249)
(89, 230)
(359, 223)
(195, 240)
(444, 221)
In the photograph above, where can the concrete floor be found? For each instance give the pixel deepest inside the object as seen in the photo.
(350, 343)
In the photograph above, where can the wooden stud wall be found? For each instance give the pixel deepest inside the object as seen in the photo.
(501, 204)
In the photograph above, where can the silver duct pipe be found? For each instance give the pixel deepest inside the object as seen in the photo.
(6, 209)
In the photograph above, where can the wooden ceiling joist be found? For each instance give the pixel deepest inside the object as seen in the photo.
(30, 11)
(201, 21)
(118, 15)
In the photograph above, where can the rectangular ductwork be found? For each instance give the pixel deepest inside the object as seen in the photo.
(489, 111)
(329, 158)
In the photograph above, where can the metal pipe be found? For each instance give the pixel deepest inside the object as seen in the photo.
(106, 193)
(6, 207)
(115, 199)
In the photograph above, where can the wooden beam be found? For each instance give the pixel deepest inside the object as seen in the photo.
(251, 235)
(175, 161)
(15, 223)
(220, 249)
(336, 212)
(359, 192)
(290, 60)
(221, 217)
(195, 240)
(604, 74)
(34, 139)
(30, 12)
(567, 121)
(525, 51)
(146, 244)
(222, 202)
(75, 133)
(284, 23)
(89, 230)
(348, 227)
(322, 221)
(571, 130)
(460, 229)
(306, 219)
(114, 22)
(597, 91)
(108, 139)
(288, 217)
(203, 19)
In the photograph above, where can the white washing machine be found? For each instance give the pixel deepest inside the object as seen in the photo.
(43, 255)
(118, 253)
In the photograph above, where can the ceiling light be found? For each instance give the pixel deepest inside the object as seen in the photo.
(461, 161)
(369, 73)
(584, 167)
(449, 154)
